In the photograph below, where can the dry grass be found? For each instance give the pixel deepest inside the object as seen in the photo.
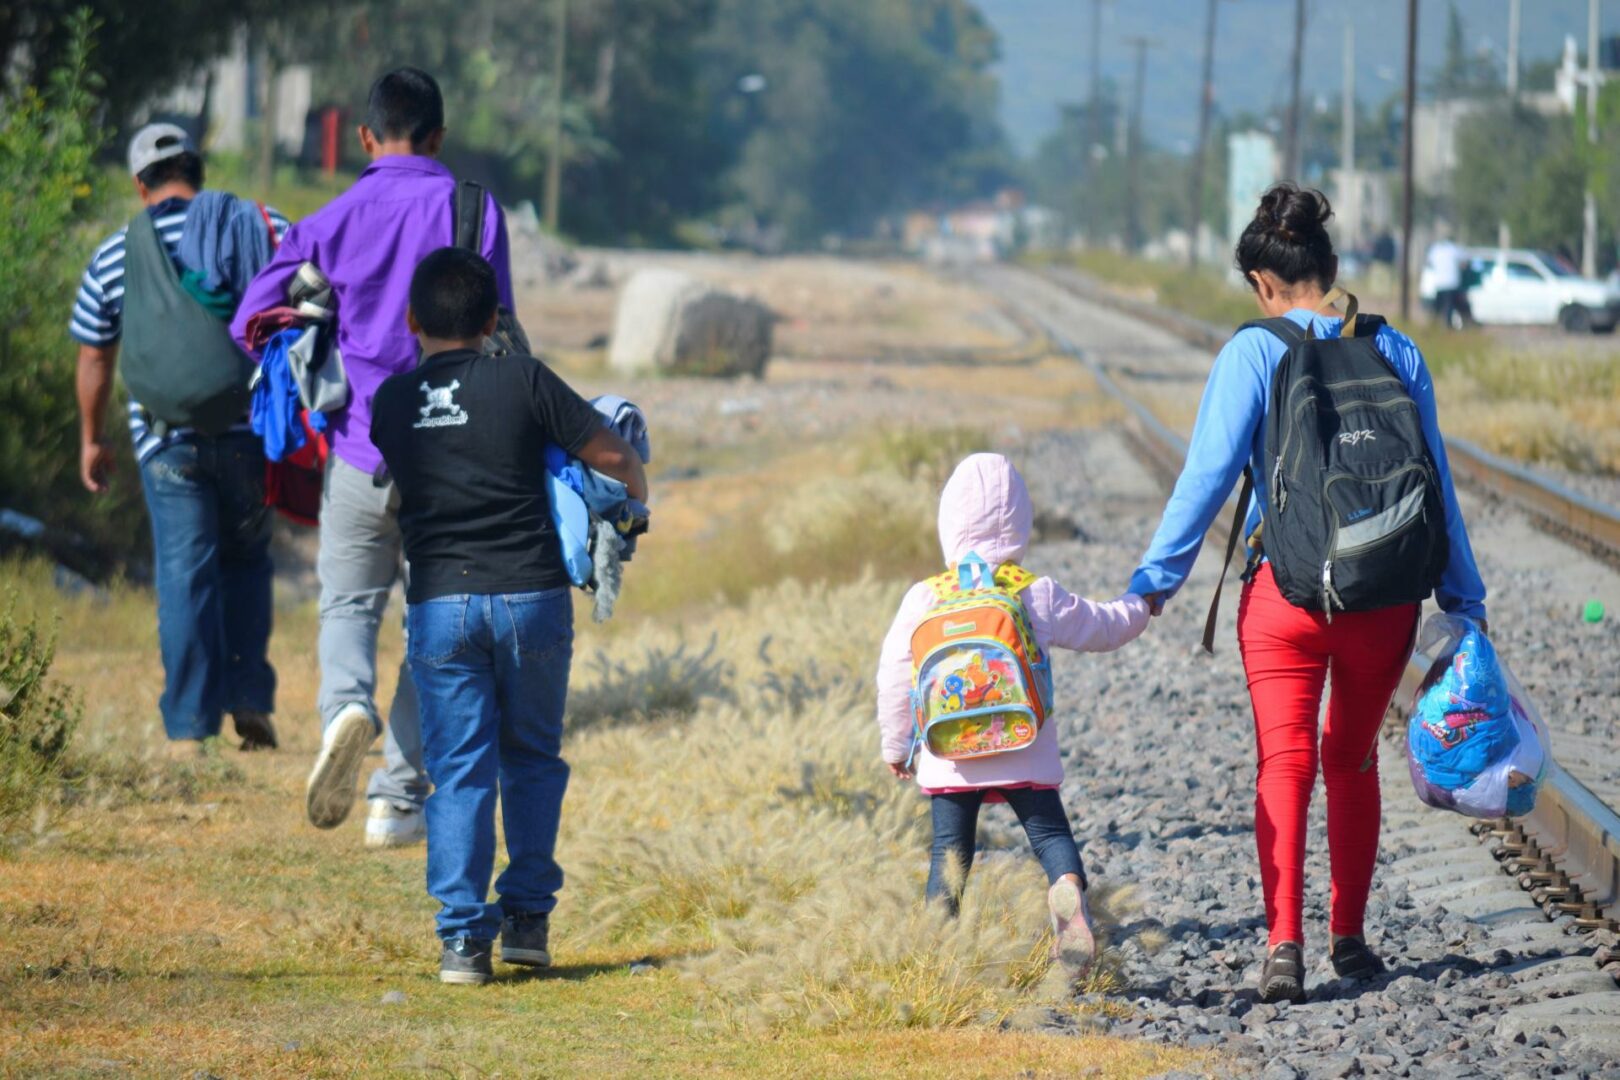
(728, 820)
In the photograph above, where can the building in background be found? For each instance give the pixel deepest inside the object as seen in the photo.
(1252, 167)
(231, 90)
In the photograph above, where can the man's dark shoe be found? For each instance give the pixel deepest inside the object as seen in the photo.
(1283, 976)
(466, 961)
(524, 940)
(255, 729)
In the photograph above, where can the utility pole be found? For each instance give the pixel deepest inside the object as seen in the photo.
(1206, 102)
(1589, 240)
(1291, 161)
(1513, 50)
(1094, 136)
(559, 74)
(1504, 235)
(1133, 194)
(1349, 184)
(1406, 159)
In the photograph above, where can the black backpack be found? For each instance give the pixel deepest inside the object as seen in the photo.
(177, 359)
(508, 338)
(1355, 517)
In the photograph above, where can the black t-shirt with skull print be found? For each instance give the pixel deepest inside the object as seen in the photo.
(464, 437)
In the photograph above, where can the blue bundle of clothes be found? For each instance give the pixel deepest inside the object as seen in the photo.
(1474, 744)
(596, 519)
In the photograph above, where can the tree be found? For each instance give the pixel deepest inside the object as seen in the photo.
(1463, 74)
(142, 49)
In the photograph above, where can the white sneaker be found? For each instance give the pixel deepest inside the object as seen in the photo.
(329, 796)
(1073, 945)
(389, 826)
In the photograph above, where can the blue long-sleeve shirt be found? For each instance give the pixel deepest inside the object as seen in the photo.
(1229, 433)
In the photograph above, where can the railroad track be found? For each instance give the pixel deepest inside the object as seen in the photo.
(1566, 854)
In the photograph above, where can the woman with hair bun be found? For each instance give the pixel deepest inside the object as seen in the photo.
(1286, 257)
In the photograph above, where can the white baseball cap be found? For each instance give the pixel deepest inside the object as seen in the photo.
(155, 143)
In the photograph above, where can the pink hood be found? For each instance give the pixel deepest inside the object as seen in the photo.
(985, 508)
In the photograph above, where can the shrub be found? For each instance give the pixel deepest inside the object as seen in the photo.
(48, 186)
(37, 720)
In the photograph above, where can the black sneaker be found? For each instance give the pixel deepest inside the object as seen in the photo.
(255, 729)
(1353, 960)
(523, 940)
(1283, 977)
(466, 961)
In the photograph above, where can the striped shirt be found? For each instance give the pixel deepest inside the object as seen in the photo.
(99, 307)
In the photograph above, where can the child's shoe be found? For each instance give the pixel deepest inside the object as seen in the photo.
(1073, 945)
(466, 961)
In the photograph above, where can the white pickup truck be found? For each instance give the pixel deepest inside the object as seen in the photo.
(1521, 287)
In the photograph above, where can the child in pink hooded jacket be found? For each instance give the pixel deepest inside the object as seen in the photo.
(985, 509)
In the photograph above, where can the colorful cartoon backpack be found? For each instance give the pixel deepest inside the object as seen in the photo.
(981, 684)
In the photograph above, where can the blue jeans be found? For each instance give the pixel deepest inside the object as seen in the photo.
(492, 679)
(211, 558)
(956, 823)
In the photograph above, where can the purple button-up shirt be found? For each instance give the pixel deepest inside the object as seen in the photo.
(368, 242)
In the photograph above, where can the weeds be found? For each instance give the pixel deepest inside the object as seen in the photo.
(37, 720)
(757, 839)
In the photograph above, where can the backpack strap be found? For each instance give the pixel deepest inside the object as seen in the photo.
(1281, 327)
(470, 215)
(1238, 521)
(1013, 578)
(973, 573)
(269, 226)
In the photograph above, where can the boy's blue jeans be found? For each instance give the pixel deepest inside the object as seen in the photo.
(956, 820)
(211, 560)
(491, 674)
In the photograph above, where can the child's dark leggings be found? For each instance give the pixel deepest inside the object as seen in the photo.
(956, 819)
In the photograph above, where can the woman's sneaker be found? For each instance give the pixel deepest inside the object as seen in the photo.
(524, 940)
(1353, 960)
(329, 796)
(466, 961)
(1073, 945)
(389, 826)
(1283, 976)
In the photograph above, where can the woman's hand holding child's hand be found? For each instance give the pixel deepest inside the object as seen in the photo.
(899, 770)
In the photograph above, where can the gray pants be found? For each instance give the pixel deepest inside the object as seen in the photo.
(359, 563)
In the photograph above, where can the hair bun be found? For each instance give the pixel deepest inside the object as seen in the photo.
(1289, 236)
(1293, 212)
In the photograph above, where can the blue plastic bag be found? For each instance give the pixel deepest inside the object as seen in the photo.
(1474, 743)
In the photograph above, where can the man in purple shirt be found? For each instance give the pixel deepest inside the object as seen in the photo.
(368, 242)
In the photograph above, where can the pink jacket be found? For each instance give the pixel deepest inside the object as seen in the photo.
(985, 508)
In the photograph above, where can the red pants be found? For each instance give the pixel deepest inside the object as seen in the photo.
(1287, 654)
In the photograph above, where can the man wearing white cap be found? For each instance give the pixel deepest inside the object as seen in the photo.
(204, 492)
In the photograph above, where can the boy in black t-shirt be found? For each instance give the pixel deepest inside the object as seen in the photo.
(490, 621)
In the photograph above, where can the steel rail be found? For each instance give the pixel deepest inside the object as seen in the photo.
(1566, 852)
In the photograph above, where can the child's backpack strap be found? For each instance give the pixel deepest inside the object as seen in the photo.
(1013, 578)
(974, 573)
